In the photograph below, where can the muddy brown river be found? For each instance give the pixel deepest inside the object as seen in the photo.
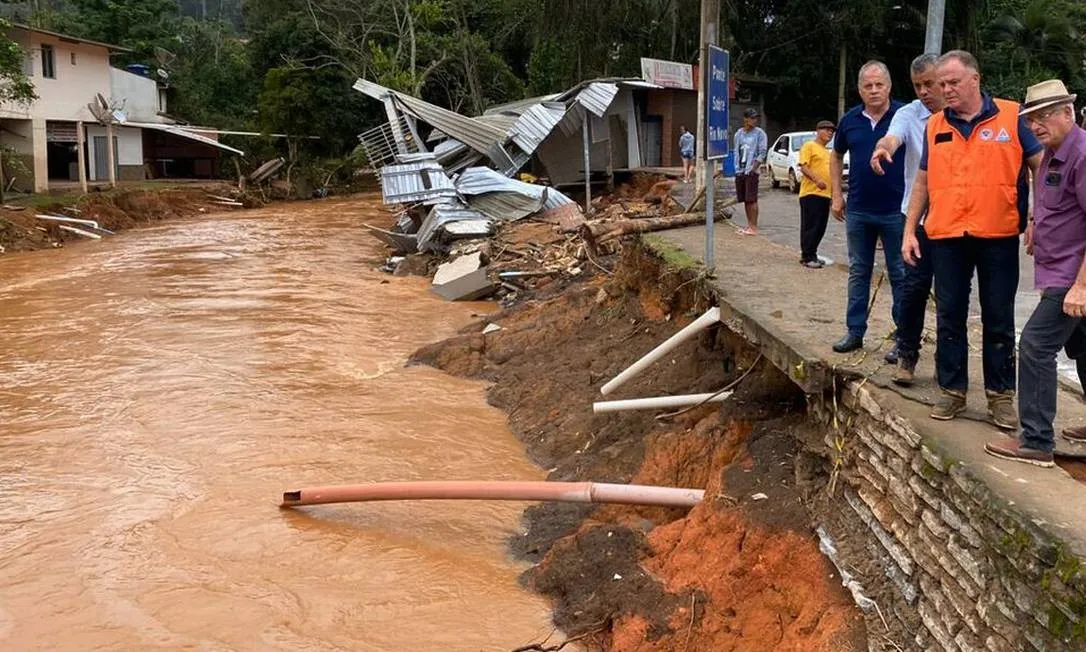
(161, 389)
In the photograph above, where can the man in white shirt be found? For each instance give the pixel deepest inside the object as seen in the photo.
(908, 128)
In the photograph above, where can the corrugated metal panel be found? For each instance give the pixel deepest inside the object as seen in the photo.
(501, 121)
(506, 206)
(535, 124)
(439, 216)
(477, 135)
(518, 107)
(480, 180)
(597, 96)
(424, 181)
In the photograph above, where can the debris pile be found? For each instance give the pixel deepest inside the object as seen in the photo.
(462, 194)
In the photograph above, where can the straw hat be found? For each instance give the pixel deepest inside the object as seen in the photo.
(1046, 94)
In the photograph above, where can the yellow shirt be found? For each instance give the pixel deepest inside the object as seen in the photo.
(817, 159)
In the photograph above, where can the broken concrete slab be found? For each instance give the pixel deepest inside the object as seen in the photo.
(463, 279)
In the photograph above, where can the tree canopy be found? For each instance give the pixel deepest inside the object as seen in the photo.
(288, 65)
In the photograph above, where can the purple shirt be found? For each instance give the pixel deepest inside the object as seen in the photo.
(1059, 213)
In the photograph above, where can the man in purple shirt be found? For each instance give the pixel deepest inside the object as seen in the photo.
(1056, 236)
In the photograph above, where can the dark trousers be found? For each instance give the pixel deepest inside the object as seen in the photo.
(1048, 330)
(814, 215)
(995, 261)
(914, 301)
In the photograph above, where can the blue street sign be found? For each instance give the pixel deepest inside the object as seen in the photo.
(717, 103)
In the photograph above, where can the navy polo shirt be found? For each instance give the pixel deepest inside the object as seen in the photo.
(869, 192)
(1030, 147)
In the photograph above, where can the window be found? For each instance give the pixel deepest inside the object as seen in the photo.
(48, 64)
(801, 140)
(780, 145)
(73, 58)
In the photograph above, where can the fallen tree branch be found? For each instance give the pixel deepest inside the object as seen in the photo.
(602, 231)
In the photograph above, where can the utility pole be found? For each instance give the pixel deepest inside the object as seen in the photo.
(710, 14)
(933, 39)
(842, 70)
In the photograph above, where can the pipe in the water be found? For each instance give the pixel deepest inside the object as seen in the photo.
(711, 316)
(658, 402)
(570, 492)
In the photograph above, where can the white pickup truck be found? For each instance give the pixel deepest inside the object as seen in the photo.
(782, 160)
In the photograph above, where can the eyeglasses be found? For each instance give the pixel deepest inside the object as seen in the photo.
(1041, 116)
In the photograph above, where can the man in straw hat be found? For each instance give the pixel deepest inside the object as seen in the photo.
(969, 184)
(1056, 236)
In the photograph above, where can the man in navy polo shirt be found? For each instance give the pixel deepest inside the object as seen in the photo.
(874, 201)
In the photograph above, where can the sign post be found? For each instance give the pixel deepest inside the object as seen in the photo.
(715, 146)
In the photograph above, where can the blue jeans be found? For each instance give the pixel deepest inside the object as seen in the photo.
(1048, 330)
(864, 231)
(914, 301)
(995, 261)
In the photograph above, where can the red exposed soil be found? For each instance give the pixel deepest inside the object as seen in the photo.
(750, 568)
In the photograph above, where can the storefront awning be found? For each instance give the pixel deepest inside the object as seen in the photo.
(182, 132)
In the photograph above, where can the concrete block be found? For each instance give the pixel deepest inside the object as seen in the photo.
(955, 522)
(889, 543)
(945, 561)
(924, 492)
(975, 566)
(935, 628)
(903, 429)
(463, 279)
(934, 525)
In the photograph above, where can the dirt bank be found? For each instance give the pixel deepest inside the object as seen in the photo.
(739, 571)
(116, 210)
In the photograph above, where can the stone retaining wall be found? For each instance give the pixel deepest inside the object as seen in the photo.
(970, 573)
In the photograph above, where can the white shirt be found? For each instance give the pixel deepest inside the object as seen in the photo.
(909, 125)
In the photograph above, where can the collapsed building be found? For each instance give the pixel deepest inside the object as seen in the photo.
(460, 174)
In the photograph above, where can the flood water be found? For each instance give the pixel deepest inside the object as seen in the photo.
(161, 389)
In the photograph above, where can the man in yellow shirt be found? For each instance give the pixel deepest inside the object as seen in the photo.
(814, 194)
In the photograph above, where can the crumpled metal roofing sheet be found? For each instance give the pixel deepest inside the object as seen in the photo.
(507, 206)
(597, 97)
(422, 181)
(505, 199)
(439, 216)
(536, 123)
(519, 106)
(478, 135)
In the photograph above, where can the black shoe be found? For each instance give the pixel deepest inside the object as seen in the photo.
(891, 356)
(848, 343)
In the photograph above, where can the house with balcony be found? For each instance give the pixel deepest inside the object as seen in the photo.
(67, 135)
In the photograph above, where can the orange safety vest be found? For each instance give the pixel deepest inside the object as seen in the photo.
(973, 182)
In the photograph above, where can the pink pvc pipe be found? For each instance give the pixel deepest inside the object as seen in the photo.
(570, 492)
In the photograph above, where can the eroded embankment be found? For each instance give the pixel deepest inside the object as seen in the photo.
(116, 210)
(737, 572)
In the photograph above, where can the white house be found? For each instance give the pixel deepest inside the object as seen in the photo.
(55, 133)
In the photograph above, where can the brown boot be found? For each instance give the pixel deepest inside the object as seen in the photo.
(1012, 449)
(1075, 435)
(949, 405)
(1001, 410)
(905, 374)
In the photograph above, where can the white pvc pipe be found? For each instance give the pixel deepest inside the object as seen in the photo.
(85, 234)
(572, 492)
(711, 316)
(72, 220)
(658, 402)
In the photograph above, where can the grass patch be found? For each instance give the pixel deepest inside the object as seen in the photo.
(674, 256)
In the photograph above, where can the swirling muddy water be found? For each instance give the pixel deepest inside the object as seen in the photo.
(159, 390)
